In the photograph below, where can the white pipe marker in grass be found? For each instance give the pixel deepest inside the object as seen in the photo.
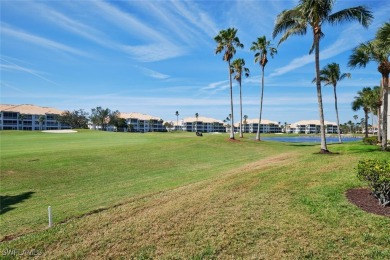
(50, 216)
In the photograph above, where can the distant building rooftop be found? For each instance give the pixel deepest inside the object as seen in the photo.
(29, 109)
(138, 115)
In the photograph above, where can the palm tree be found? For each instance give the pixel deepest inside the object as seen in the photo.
(356, 118)
(314, 14)
(238, 68)
(41, 119)
(177, 118)
(377, 50)
(245, 121)
(196, 123)
(363, 101)
(330, 75)
(228, 41)
(376, 107)
(262, 47)
(21, 118)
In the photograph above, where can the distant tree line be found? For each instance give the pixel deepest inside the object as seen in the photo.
(101, 117)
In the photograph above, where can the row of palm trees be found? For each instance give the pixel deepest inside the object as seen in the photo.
(227, 42)
(367, 99)
(378, 51)
(312, 15)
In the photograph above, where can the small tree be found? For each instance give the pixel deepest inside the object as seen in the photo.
(363, 101)
(331, 75)
(168, 125)
(245, 121)
(21, 118)
(376, 174)
(261, 48)
(238, 68)
(104, 117)
(77, 119)
(41, 120)
(196, 123)
(177, 118)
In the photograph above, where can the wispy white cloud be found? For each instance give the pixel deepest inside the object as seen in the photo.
(215, 87)
(127, 22)
(76, 27)
(153, 52)
(156, 46)
(40, 41)
(14, 67)
(341, 45)
(196, 17)
(152, 73)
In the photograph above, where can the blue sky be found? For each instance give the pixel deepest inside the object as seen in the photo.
(157, 57)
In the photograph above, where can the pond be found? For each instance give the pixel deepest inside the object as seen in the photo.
(310, 139)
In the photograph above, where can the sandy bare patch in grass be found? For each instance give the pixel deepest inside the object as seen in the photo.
(64, 131)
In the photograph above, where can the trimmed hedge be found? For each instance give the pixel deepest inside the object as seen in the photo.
(376, 173)
(370, 140)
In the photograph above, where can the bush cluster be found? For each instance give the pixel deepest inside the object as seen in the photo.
(370, 140)
(376, 173)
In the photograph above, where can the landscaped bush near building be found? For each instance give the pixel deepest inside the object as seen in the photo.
(370, 140)
(376, 173)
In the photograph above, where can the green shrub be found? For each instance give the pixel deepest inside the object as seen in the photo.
(370, 140)
(376, 173)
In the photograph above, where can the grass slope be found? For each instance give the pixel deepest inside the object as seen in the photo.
(182, 196)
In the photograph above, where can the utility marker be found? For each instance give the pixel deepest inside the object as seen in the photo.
(50, 216)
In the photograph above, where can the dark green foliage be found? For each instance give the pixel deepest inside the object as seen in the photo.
(76, 119)
(372, 140)
(104, 117)
(376, 173)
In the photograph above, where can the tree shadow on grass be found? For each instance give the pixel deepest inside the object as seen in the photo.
(6, 202)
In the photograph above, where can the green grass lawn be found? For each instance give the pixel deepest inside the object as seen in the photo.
(175, 195)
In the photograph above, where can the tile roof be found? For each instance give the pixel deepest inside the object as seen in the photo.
(138, 116)
(202, 119)
(30, 109)
(312, 122)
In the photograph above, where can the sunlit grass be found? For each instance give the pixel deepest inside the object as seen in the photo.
(175, 195)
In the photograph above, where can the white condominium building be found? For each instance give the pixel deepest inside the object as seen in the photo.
(251, 125)
(311, 127)
(29, 117)
(202, 124)
(138, 122)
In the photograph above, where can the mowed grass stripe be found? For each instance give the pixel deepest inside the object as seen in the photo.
(79, 173)
(266, 209)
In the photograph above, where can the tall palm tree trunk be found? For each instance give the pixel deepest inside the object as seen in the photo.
(261, 103)
(386, 86)
(379, 124)
(324, 148)
(337, 114)
(366, 123)
(231, 102)
(241, 134)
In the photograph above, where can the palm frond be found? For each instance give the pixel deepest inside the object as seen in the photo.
(345, 75)
(298, 30)
(286, 20)
(383, 34)
(360, 56)
(360, 13)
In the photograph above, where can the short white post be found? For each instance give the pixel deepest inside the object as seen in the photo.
(50, 216)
